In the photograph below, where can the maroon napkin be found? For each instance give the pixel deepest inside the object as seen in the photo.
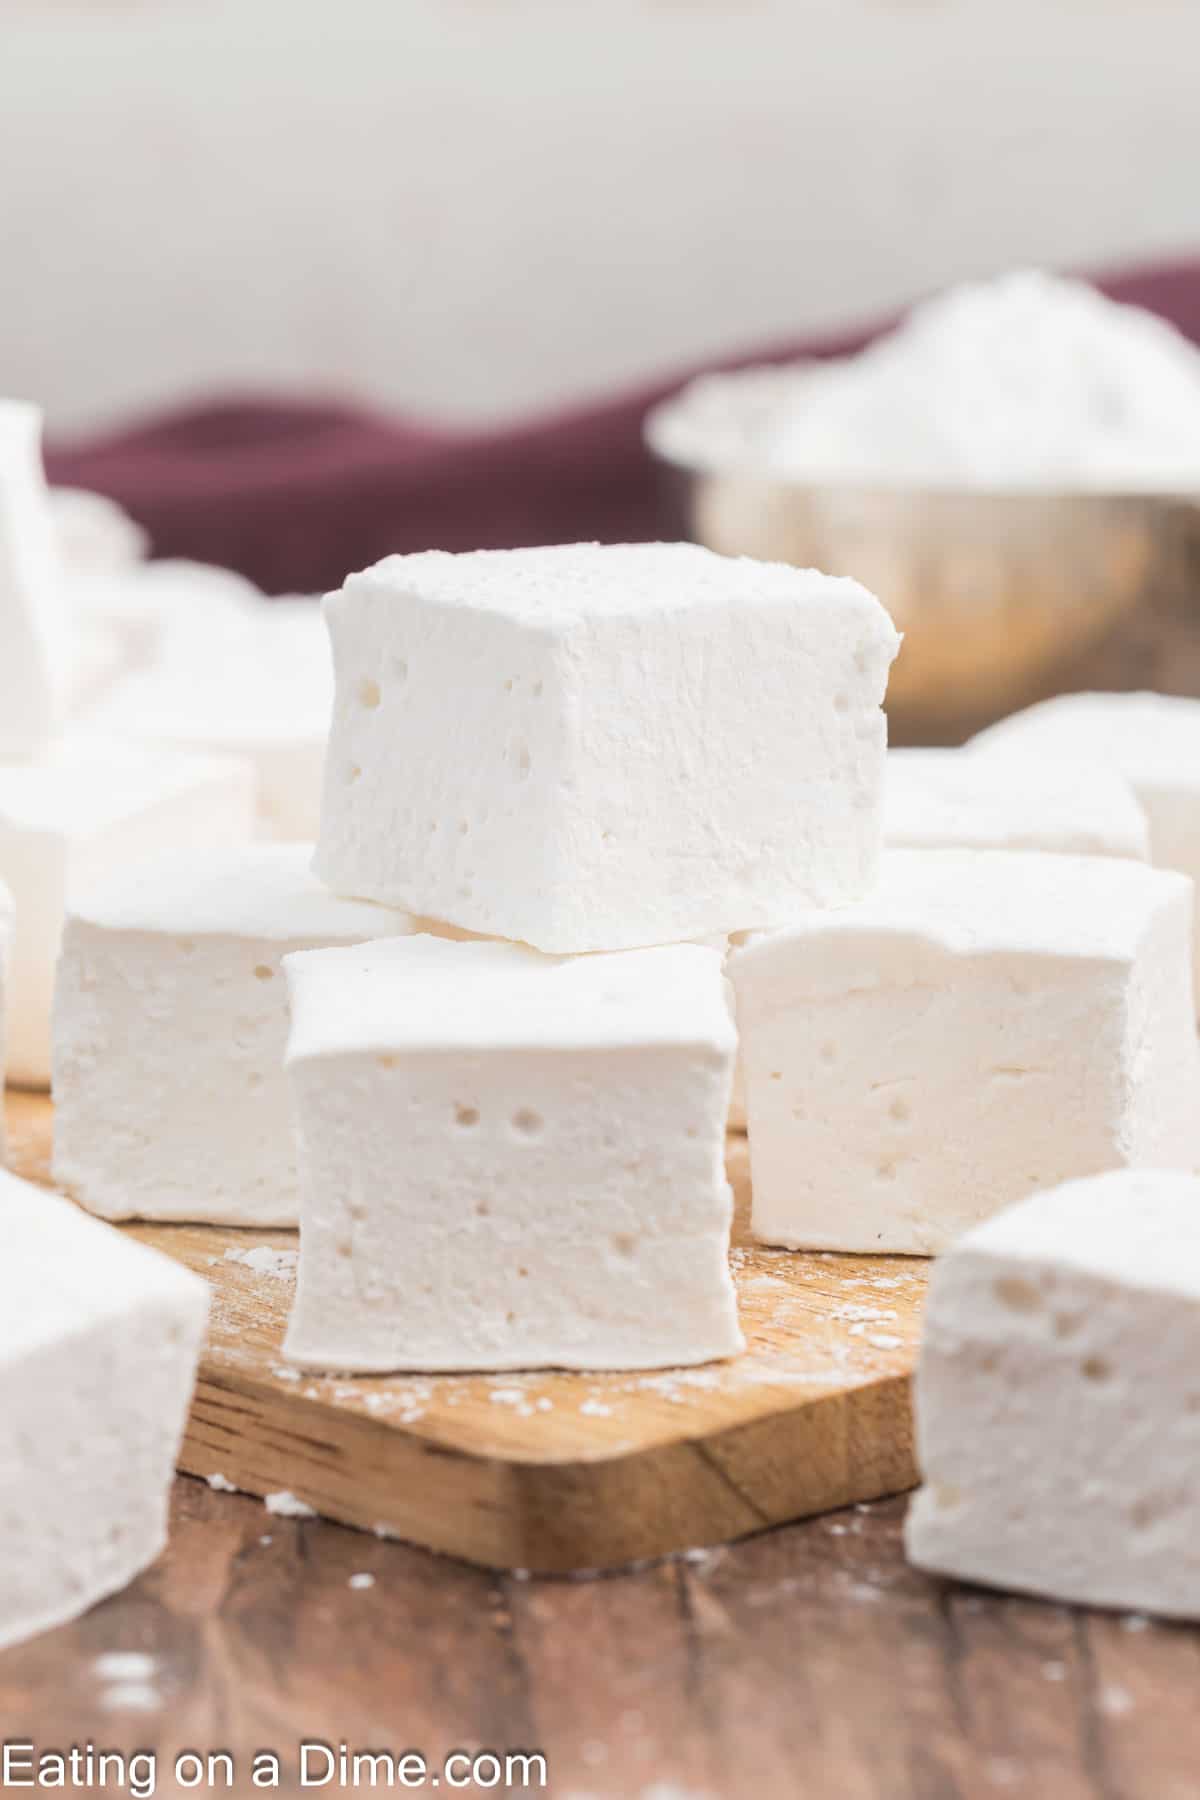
(295, 494)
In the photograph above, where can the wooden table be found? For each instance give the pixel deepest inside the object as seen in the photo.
(809, 1663)
(806, 1664)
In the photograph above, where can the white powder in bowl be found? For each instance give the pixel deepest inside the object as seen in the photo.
(1026, 382)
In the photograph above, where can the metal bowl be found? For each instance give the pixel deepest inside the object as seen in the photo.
(994, 592)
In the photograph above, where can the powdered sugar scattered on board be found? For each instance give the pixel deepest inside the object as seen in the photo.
(285, 1505)
(263, 1260)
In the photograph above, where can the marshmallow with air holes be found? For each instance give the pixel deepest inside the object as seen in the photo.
(511, 1160)
(598, 747)
(949, 800)
(34, 654)
(6, 930)
(985, 1024)
(99, 1341)
(1153, 740)
(1057, 1398)
(170, 1020)
(86, 808)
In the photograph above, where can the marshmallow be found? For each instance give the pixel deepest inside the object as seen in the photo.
(170, 1021)
(596, 747)
(946, 800)
(6, 930)
(94, 533)
(87, 808)
(95, 664)
(1057, 1398)
(262, 690)
(33, 644)
(984, 1025)
(1153, 740)
(99, 1340)
(509, 1160)
(185, 612)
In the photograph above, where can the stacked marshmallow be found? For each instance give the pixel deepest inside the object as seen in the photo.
(551, 753)
(512, 1151)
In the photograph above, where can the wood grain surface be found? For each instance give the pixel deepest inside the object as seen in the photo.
(559, 1471)
(809, 1663)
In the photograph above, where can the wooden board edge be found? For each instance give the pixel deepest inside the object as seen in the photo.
(558, 1518)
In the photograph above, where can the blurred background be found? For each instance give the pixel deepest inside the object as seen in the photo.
(469, 209)
(302, 283)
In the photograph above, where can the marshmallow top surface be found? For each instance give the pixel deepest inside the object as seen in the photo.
(260, 674)
(94, 533)
(60, 1269)
(944, 799)
(556, 585)
(977, 901)
(423, 992)
(1134, 1227)
(1151, 738)
(87, 782)
(7, 909)
(251, 890)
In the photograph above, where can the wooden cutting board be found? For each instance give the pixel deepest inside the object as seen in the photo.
(557, 1472)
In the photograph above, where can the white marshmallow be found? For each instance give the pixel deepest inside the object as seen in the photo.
(33, 641)
(95, 665)
(170, 1023)
(89, 808)
(596, 747)
(184, 612)
(99, 1339)
(510, 1160)
(6, 931)
(263, 690)
(947, 800)
(984, 1025)
(1153, 740)
(94, 533)
(1058, 1400)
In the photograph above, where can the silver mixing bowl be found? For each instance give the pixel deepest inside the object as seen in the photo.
(994, 592)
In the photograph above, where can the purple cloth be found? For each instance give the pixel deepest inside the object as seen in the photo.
(296, 494)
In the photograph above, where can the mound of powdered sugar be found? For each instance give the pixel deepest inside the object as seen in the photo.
(1029, 381)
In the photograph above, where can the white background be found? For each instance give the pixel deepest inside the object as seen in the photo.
(467, 207)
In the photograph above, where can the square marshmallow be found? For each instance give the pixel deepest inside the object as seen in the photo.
(1153, 740)
(33, 638)
(946, 800)
(170, 1021)
(99, 1339)
(949, 800)
(1058, 1398)
(258, 686)
(86, 809)
(509, 1160)
(984, 1025)
(593, 747)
